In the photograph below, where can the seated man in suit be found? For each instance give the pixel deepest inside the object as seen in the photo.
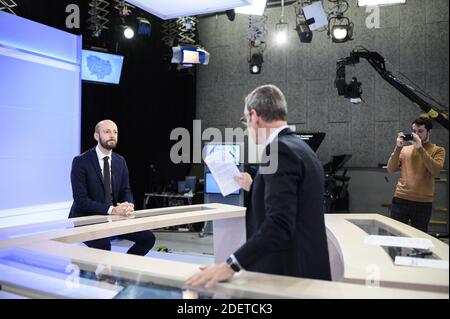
(285, 222)
(100, 186)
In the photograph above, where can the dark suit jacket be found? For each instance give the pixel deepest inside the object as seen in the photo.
(285, 223)
(87, 184)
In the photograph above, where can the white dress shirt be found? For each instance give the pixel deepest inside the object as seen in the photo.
(275, 133)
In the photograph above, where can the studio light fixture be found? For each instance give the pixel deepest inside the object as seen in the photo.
(304, 33)
(342, 31)
(301, 23)
(314, 14)
(124, 11)
(231, 14)
(128, 32)
(144, 27)
(362, 3)
(256, 41)
(340, 28)
(256, 62)
(281, 28)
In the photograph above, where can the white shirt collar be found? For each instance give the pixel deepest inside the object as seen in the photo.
(100, 155)
(275, 133)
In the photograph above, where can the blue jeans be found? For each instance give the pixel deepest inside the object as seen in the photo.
(417, 212)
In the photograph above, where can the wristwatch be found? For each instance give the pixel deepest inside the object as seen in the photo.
(233, 264)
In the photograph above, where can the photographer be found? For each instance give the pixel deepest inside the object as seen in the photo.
(418, 163)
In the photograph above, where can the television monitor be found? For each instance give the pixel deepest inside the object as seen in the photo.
(312, 139)
(233, 149)
(101, 67)
(211, 186)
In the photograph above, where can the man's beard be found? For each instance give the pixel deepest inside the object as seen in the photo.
(107, 146)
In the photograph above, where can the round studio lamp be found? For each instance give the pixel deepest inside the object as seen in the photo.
(255, 69)
(281, 37)
(256, 62)
(339, 33)
(128, 33)
(340, 29)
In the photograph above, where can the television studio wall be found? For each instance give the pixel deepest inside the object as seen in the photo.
(413, 38)
(40, 112)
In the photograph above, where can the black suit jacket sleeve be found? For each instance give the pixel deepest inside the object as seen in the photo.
(125, 194)
(84, 203)
(281, 200)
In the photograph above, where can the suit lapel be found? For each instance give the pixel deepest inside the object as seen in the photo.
(96, 164)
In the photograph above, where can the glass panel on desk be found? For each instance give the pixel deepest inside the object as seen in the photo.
(374, 227)
(31, 229)
(168, 211)
(29, 274)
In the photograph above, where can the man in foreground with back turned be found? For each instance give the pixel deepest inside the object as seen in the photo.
(285, 223)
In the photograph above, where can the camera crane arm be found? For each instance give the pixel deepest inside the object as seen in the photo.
(353, 90)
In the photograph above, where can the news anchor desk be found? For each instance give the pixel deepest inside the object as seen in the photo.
(46, 261)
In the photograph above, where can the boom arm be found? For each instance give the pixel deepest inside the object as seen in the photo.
(353, 90)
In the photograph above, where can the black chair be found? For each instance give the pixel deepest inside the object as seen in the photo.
(336, 186)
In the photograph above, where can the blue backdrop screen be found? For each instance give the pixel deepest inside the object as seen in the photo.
(39, 113)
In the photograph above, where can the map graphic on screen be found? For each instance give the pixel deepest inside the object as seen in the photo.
(101, 67)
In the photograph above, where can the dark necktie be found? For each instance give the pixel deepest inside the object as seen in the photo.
(107, 181)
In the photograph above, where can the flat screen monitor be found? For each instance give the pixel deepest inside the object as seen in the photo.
(312, 139)
(211, 186)
(101, 67)
(233, 149)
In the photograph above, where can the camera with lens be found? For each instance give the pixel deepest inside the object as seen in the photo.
(408, 137)
(350, 90)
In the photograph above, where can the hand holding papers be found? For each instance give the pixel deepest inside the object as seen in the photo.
(223, 168)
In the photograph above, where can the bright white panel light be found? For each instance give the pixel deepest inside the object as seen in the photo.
(340, 33)
(257, 8)
(128, 33)
(170, 9)
(315, 11)
(372, 3)
(281, 37)
(191, 57)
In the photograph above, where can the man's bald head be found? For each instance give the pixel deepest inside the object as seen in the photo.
(100, 124)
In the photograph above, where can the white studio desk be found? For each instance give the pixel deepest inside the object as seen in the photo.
(45, 261)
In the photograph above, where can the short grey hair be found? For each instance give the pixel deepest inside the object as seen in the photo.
(269, 102)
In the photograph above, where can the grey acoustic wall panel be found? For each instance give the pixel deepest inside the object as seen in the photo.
(436, 10)
(413, 38)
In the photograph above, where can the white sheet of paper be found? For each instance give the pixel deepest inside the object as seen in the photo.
(421, 262)
(223, 168)
(394, 241)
